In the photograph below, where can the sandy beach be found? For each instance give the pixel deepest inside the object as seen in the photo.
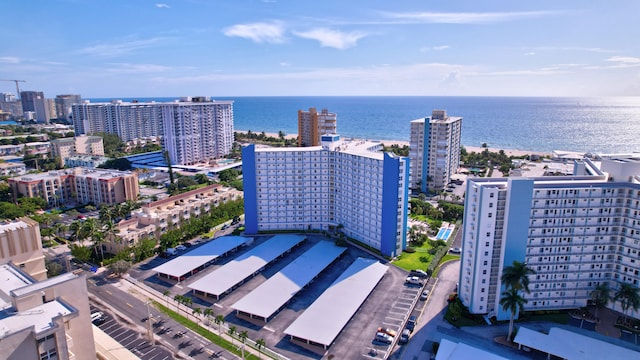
(477, 149)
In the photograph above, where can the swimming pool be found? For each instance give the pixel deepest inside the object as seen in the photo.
(443, 234)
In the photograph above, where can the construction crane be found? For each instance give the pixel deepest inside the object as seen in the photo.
(17, 86)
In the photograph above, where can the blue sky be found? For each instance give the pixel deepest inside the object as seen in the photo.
(139, 48)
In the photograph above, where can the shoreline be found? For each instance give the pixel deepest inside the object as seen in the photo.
(401, 143)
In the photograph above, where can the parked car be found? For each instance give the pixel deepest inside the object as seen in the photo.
(96, 315)
(383, 338)
(404, 337)
(188, 244)
(424, 295)
(413, 280)
(387, 331)
(419, 273)
(171, 252)
(411, 323)
(455, 250)
(181, 247)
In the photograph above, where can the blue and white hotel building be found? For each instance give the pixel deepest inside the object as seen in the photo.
(576, 232)
(341, 185)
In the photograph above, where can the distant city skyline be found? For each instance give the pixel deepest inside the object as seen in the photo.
(285, 48)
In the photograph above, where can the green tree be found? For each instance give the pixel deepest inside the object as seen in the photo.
(113, 145)
(243, 337)
(208, 314)
(201, 179)
(120, 267)
(196, 314)
(260, 343)
(516, 276)
(228, 175)
(166, 295)
(82, 253)
(628, 297)
(232, 331)
(219, 320)
(512, 301)
(179, 301)
(601, 296)
(53, 269)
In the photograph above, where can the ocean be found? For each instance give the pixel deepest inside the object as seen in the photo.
(605, 125)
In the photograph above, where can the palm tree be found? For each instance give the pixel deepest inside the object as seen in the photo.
(516, 276)
(601, 296)
(178, 299)
(231, 332)
(513, 302)
(196, 314)
(219, 320)
(628, 297)
(166, 294)
(260, 343)
(92, 229)
(187, 301)
(243, 337)
(208, 314)
(76, 231)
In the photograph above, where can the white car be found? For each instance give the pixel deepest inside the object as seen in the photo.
(455, 250)
(424, 295)
(181, 247)
(413, 280)
(96, 315)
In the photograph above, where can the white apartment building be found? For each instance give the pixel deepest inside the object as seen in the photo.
(194, 129)
(313, 124)
(128, 120)
(576, 232)
(197, 130)
(434, 150)
(345, 186)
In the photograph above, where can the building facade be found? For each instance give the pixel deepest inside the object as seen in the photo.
(63, 104)
(340, 186)
(64, 148)
(576, 232)
(197, 130)
(193, 129)
(46, 320)
(158, 217)
(21, 245)
(83, 186)
(434, 149)
(85, 161)
(313, 124)
(35, 101)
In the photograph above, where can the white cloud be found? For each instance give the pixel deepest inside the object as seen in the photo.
(109, 50)
(572, 48)
(9, 60)
(163, 6)
(137, 68)
(625, 59)
(530, 53)
(435, 48)
(332, 38)
(258, 32)
(463, 17)
(284, 63)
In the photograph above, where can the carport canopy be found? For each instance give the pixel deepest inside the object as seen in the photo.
(200, 256)
(274, 293)
(327, 316)
(571, 346)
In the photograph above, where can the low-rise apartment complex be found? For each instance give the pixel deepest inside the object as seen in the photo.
(156, 218)
(79, 145)
(83, 186)
(576, 232)
(343, 186)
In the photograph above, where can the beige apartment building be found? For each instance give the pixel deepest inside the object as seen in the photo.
(313, 124)
(79, 145)
(156, 218)
(20, 244)
(80, 185)
(44, 320)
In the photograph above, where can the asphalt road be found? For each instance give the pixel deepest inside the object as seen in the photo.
(131, 313)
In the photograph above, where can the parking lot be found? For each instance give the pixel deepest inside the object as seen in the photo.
(387, 306)
(129, 338)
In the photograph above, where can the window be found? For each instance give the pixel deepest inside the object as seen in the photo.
(49, 355)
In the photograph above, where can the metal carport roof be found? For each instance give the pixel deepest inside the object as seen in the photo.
(324, 319)
(271, 295)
